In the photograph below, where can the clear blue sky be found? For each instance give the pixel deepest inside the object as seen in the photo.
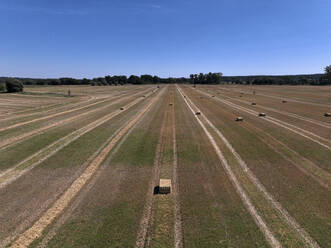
(89, 38)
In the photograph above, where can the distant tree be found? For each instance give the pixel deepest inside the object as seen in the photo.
(2, 87)
(14, 85)
(328, 72)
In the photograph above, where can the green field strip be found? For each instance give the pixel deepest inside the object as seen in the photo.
(313, 112)
(63, 113)
(59, 144)
(64, 106)
(306, 148)
(18, 134)
(212, 212)
(14, 154)
(325, 143)
(112, 219)
(161, 230)
(305, 200)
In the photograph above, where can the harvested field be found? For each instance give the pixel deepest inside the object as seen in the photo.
(84, 171)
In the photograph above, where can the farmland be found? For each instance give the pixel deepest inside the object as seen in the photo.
(83, 170)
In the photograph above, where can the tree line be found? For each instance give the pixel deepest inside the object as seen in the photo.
(16, 84)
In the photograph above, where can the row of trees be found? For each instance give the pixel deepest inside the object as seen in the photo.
(209, 78)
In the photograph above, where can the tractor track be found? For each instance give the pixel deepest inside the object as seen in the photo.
(147, 215)
(178, 232)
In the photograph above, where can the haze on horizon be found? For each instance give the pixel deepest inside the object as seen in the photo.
(85, 38)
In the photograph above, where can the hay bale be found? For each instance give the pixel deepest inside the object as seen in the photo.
(253, 103)
(327, 114)
(170, 104)
(122, 108)
(262, 114)
(284, 101)
(212, 96)
(239, 118)
(165, 186)
(197, 113)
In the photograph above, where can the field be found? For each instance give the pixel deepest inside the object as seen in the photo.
(84, 170)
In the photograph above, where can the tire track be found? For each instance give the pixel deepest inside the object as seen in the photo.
(276, 205)
(277, 122)
(4, 144)
(178, 234)
(273, 242)
(29, 163)
(145, 221)
(47, 218)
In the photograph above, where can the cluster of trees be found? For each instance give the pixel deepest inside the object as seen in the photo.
(11, 85)
(209, 78)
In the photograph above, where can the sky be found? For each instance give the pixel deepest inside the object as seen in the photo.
(94, 38)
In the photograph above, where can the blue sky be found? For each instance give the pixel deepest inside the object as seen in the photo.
(90, 38)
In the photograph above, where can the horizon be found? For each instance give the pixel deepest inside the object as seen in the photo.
(88, 39)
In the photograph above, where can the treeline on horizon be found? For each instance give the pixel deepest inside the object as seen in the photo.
(209, 78)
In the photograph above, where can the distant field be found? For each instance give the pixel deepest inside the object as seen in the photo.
(83, 170)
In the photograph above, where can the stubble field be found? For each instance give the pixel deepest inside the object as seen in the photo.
(83, 171)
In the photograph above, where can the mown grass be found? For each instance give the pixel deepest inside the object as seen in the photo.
(16, 153)
(305, 200)
(212, 212)
(113, 221)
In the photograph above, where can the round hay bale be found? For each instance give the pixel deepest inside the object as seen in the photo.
(239, 118)
(327, 114)
(262, 114)
(284, 101)
(197, 113)
(122, 108)
(253, 103)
